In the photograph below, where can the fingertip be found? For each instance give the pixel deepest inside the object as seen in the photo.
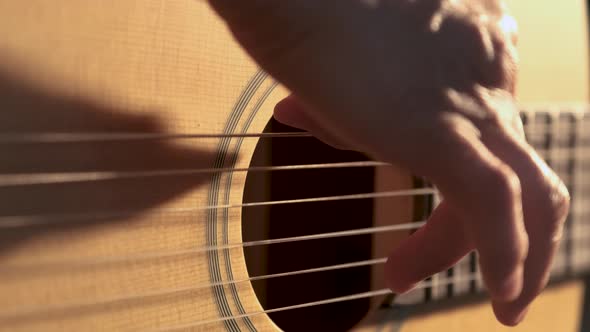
(433, 248)
(289, 112)
(510, 287)
(395, 281)
(509, 316)
(285, 105)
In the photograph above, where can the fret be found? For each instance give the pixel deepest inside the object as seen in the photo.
(561, 133)
(421, 295)
(569, 139)
(439, 290)
(450, 291)
(477, 285)
(537, 132)
(462, 268)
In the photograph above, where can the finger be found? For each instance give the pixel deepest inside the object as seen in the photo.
(292, 112)
(486, 193)
(545, 206)
(437, 246)
(536, 277)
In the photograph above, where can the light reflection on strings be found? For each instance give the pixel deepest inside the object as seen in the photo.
(65, 265)
(9, 222)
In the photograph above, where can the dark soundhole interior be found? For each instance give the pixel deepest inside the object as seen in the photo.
(290, 220)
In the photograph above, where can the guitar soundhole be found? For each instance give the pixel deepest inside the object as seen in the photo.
(281, 221)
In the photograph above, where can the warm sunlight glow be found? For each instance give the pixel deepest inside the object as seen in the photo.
(553, 50)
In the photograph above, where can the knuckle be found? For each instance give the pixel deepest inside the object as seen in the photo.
(513, 254)
(557, 209)
(549, 204)
(561, 200)
(517, 250)
(503, 182)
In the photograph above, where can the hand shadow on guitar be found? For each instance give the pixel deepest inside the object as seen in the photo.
(29, 109)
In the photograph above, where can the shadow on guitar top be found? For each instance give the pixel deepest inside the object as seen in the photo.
(27, 109)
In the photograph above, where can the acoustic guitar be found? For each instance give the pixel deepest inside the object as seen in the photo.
(144, 185)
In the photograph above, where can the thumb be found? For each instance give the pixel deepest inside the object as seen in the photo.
(292, 112)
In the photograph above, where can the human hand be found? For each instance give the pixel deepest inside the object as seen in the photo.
(427, 85)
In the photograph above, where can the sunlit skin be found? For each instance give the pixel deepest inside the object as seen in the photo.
(427, 85)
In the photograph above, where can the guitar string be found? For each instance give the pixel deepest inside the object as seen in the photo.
(55, 178)
(32, 311)
(347, 298)
(8, 222)
(39, 220)
(580, 109)
(29, 179)
(99, 261)
(51, 138)
(65, 265)
(19, 313)
(342, 266)
(11, 222)
(299, 306)
(26, 312)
